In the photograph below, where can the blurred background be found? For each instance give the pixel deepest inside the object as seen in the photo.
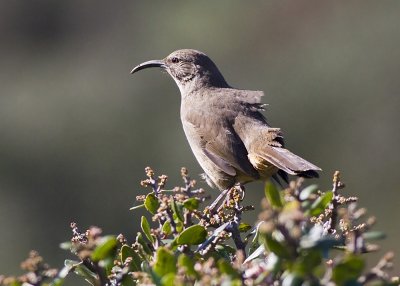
(77, 130)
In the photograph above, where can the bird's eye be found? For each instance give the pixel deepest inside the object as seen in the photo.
(175, 60)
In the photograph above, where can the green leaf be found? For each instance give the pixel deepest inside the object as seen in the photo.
(56, 282)
(146, 229)
(154, 277)
(164, 262)
(243, 227)
(306, 205)
(307, 262)
(226, 268)
(320, 204)
(255, 242)
(15, 283)
(193, 235)
(105, 249)
(348, 270)
(276, 247)
(191, 204)
(127, 251)
(82, 271)
(317, 240)
(152, 203)
(71, 263)
(179, 226)
(66, 245)
(140, 240)
(173, 244)
(374, 235)
(177, 208)
(307, 191)
(168, 279)
(292, 279)
(274, 263)
(66, 269)
(225, 251)
(291, 207)
(256, 253)
(166, 228)
(273, 195)
(186, 263)
(127, 281)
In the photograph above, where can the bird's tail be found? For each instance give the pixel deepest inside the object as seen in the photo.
(285, 161)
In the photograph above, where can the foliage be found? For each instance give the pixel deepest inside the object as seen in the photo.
(303, 237)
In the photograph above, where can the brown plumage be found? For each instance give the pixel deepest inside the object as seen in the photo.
(226, 131)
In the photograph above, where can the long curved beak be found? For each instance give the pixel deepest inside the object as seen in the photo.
(149, 64)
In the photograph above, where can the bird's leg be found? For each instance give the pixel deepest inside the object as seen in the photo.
(232, 198)
(215, 203)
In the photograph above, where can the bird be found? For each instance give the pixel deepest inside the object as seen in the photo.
(225, 127)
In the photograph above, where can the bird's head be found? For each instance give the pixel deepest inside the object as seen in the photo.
(190, 69)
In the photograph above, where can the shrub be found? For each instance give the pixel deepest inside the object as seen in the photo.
(303, 236)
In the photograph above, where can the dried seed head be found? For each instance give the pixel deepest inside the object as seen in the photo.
(184, 172)
(149, 172)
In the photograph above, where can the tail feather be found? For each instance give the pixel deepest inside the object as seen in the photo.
(288, 162)
(281, 174)
(309, 174)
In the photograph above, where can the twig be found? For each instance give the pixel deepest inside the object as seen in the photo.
(331, 226)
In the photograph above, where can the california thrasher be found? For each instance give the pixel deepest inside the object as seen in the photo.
(227, 133)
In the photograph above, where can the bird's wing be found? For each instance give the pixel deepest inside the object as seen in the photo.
(219, 161)
(217, 139)
(224, 149)
(265, 146)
